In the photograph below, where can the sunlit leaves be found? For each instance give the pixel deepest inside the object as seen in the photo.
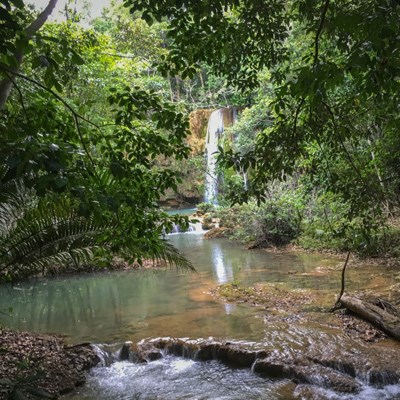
(236, 38)
(99, 155)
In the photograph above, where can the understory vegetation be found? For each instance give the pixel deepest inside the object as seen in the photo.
(94, 126)
(312, 225)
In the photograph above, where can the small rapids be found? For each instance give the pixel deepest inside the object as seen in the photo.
(172, 378)
(389, 392)
(193, 228)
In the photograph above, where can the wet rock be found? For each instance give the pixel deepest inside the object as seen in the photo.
(271, 368)
(311, 374)
(234, 354)
(206, 353)
(125, 351)
(381, 378)
(176, 348)
(344, 366)
(330, 365)
(147, 352)
(325, 377)
(153, 356)
(373, 364)
(310, 393)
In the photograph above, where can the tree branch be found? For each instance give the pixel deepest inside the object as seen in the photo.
(75, 115)
(30, 30)
(40, 20)
(337, 304)
(21, 96)
(296, 116)
(319, 31)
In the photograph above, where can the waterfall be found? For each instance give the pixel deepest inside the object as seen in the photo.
(110, 353)
(245, 181)
(214, 132)
(219, 119)
(193, 228)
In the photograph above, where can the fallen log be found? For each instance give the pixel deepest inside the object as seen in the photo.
(379, 317)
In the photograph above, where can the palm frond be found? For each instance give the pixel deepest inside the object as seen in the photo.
(170, 254)
(47, 235)
(39, 235)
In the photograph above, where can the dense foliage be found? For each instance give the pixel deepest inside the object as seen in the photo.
(82, 133)
(334, 73)
(95, 118)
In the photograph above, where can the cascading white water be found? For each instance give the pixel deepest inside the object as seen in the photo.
(214, 132)
(193, 228)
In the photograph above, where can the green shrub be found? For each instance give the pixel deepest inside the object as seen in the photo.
(328, 226)
(203, 208)
(274, 223)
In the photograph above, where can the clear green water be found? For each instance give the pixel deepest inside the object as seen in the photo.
(183, 211)
(121, 306)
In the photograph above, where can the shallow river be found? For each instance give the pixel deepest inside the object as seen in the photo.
(120, 306)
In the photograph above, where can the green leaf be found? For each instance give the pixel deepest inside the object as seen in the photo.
(61, 182)
(77, 59)
(18, 3)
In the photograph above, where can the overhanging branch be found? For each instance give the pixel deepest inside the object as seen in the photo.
(74, 114)
(29, 31)
(319, 31)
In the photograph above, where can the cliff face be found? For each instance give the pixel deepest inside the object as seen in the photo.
(198, 121)
(192, 171)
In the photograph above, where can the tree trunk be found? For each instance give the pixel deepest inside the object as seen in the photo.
(381, 318)
(6, 83)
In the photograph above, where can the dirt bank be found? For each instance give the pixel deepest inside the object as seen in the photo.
(32, 363)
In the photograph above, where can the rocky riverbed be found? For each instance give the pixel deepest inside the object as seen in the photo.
(333, 367)
(296, 306)
(32, 363)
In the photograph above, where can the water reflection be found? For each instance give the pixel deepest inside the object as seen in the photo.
(222, 267)
(229, 308)
(223, 271)
(132, 305)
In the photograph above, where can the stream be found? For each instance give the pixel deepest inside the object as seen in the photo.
(120, 306)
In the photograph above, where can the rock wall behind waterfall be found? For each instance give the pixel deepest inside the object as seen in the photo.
(198, 121)
(192, 171)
